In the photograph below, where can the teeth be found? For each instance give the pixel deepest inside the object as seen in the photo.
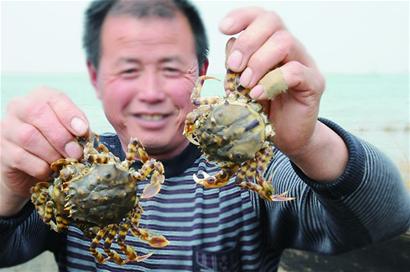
(151, 117)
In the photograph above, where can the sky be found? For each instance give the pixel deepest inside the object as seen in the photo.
(342, 36)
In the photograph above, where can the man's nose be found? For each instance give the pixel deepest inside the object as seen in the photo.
(150, 88)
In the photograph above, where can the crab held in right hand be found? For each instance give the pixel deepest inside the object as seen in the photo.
(234, 132)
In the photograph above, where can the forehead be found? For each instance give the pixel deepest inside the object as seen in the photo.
(131, 31)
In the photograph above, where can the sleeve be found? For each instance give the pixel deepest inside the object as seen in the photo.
(366, 204)
(24, 236)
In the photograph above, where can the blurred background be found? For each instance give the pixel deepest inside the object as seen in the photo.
(362, 47)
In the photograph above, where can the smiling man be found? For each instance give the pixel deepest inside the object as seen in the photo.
(144, 58)
(145, 77)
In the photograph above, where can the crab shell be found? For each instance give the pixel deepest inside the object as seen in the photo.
(103, 196)
(232, 130)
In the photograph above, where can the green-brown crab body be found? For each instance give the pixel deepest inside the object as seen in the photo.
(99, 194)
(104, 196)
(235, 132)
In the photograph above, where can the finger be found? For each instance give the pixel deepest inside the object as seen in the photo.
(70, 116)
(252, 38)
(273, 83)
(292, 75)
(44, 119)
(238, 19)
(228, 50)
(281, 47)
(30, 139)
(19, 159)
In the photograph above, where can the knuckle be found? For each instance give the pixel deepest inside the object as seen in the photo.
(286, 39)
(274, 19)
(257, 60)
(17, 160)
(13, 104)
(37, 111)
(62, 103)
(296, 70)
(27, 136)
(244, 44)
(41, 171)
(321, 82)
(282, 51)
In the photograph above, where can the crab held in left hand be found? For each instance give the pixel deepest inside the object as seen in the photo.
(99, 194)
(234, 132)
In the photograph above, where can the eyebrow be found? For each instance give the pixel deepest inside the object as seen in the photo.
(127, 60)
(171, 59)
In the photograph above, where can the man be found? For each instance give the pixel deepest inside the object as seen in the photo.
(143, 59)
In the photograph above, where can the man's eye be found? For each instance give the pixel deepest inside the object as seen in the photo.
(171, 72)
(129, 72)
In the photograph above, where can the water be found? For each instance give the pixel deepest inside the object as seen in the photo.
(374, 107)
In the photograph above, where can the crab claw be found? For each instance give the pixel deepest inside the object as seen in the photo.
(281, 197)
(207, 181)
(157, 241)
(190, 137)
(143, 257)
(153, 188)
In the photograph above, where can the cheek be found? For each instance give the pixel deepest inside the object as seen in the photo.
(181, 97)
(116, 97)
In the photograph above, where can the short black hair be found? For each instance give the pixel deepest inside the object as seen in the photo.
(99, 9)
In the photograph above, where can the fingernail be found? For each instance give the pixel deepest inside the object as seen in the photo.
(79, 126)
(246, 77)
(235, 60)
(73, 150)
(226, 24)
(257, 91)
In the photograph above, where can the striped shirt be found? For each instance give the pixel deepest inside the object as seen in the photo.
(230, 229)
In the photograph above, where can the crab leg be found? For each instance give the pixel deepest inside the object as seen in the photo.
(136, 214)
(130, 253)
(94, 244)
(109, 237)
(150, 166)
(155, 241)
(128, 250)
(255, 168)
(39, 193)
(233, 85)
(189, 127)
(196, 93)
(220, 179)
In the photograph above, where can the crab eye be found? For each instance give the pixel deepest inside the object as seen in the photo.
(108, 176)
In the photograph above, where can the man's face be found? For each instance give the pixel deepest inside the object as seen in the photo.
(148, 68)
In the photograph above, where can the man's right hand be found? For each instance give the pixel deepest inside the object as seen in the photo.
(37, 129)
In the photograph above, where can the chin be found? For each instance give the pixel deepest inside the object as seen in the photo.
(161, 148)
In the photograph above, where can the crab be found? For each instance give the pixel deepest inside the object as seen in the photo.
(234, 132)
(99, 194)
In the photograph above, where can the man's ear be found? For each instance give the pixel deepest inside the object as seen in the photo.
(204, 68)
(92, 73)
